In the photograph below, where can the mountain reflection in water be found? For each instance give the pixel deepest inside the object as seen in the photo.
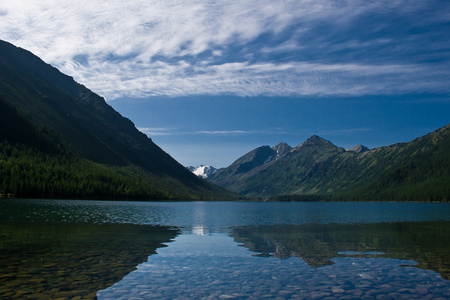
(103, 249)
(57, 260)
(427, 243)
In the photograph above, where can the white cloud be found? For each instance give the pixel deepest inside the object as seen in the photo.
(294, 78)
(160, 131)
(156, 131)
(141, 48)
(226, 132)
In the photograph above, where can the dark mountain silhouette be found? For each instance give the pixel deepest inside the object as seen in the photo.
(43, 109)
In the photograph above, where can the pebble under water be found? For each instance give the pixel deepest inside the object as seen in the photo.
(218, 269)
(63, 249)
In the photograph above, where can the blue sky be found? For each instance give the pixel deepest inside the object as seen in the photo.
(210, 80)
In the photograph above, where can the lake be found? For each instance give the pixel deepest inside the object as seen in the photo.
(72, 249)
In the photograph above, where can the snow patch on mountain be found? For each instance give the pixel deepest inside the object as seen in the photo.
(203, 171)
(281, 149)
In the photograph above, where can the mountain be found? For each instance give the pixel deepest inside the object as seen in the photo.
(46, 114)
(243, 166)
(416, 171)
(203, 171)
(281, 149)
(359, 149)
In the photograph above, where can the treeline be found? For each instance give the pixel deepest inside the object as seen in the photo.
(431, 191)
(422, 176)
(422, 179)
(26, 172)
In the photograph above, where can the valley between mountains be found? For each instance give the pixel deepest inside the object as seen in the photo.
(58, 139)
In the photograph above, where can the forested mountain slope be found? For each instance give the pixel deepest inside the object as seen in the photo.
(46, 111)
(416, 171)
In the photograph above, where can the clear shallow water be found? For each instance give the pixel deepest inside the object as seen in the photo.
(223, 250)
(216, 269)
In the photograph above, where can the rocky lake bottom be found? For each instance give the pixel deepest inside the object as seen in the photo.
(223, 250)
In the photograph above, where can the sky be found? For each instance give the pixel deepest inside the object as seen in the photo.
(210, 80)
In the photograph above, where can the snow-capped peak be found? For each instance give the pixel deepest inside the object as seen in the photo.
(203, 171)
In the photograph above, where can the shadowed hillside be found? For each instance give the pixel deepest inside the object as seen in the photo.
(46, 113)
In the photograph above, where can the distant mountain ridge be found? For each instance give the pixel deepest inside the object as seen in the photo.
(46, 111)
(414, 171)
(358, 149)
(256, 158)
(203, 171)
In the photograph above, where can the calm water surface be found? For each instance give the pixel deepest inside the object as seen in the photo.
(223, 250)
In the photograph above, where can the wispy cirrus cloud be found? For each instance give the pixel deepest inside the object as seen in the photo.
(227, 132)
(156, 131)
(172, 131)
(140, 48)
